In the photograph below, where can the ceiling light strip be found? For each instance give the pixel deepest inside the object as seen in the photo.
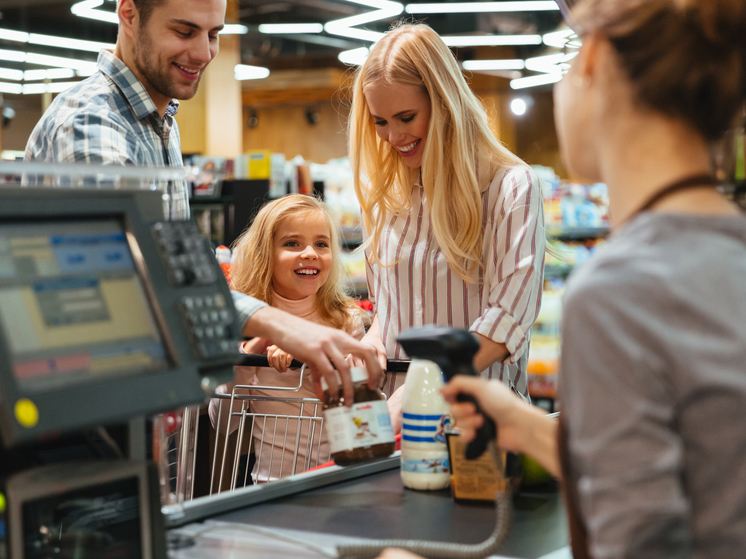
(483, 7)
(290, 28)
(534, 81)
(507, 64)
(87, 9)
(245, 72)
(491, 40)
(345, 27)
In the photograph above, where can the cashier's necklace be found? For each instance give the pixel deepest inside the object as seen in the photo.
(694, 181)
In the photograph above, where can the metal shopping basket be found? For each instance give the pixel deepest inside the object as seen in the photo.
(283, 443)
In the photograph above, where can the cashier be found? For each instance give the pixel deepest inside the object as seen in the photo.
(652, 439)
(124, 115)
(453, 221)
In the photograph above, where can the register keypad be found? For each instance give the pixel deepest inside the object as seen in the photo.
(207, 319)
(186, 254)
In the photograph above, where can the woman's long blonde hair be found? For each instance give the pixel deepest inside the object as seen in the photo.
(253, 265)
(458, 138)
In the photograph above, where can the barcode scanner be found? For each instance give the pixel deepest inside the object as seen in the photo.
(453, 350)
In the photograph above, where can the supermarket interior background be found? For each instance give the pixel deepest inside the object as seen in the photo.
(272, 110)
(269, 119)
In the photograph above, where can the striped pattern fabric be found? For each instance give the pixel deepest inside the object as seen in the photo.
(416, 287)
(109, 118)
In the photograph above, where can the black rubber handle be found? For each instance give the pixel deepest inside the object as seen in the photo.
(260, 360)
(488, 431)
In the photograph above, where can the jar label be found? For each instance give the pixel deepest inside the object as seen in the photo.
(364, 424)
(435, 465)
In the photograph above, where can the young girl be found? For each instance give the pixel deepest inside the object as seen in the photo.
(289, 258)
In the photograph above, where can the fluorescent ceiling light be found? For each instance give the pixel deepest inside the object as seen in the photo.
(8, 74)
(246, 72)
(290, 28)
(15, 88)
(551, 63)
(10, 35)
(562, 39)
(234, 29)
(344, 27)
(507, 64)
(37, 88)
(354, 57)
(62, 42)
(491, 40)
(482, 7)
(60, 62)
(52, 41)
(533, 81)
(12, 55)
(56, 74)
(87, 8)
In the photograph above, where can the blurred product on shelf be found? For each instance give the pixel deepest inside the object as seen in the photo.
(225, 259)
(543, 358)
(339, 193)
(212, 172)
(211, 221)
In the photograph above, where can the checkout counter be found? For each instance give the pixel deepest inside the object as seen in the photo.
(109, 314)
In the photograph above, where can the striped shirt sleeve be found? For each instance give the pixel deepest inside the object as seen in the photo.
(514, 262)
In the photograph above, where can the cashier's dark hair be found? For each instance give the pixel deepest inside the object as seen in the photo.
(683, 58)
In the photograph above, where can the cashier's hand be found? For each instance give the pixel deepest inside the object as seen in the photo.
(278, 358)
(393, 553)
(495, 399)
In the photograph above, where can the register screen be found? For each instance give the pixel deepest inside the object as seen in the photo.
(72, 306)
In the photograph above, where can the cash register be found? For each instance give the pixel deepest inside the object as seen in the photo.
(107, 312)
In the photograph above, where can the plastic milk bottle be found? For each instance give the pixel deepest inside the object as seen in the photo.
(424, 456)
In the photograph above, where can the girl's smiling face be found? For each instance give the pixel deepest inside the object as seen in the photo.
(302, 255)
(401, 114)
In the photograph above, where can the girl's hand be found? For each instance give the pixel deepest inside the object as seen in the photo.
(256, 346)
(278, 358)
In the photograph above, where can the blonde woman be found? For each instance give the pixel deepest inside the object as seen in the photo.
(453, 220)
(289, 258)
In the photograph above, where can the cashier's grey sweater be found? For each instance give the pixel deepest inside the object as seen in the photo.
(653, 388)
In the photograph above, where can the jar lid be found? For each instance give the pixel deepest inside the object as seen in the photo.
(325, 385)
(359, 374)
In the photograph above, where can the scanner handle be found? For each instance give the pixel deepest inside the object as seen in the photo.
(488, 431)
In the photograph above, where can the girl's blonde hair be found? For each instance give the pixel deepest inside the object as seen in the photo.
(458, 138)
(253, 265)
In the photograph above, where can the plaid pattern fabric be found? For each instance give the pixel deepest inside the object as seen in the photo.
(109, 118)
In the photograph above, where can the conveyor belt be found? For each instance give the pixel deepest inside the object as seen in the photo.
(377, 506)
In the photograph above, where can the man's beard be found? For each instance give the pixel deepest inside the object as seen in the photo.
(160, 80)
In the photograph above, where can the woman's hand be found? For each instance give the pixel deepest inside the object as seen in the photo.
(278, 358)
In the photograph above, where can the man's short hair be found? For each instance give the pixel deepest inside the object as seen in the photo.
(145, 8)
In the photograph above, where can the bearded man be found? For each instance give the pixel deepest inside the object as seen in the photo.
(124, 115)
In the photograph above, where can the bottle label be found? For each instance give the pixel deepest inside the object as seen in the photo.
(364, 424)
(434, 465)
(425, 428)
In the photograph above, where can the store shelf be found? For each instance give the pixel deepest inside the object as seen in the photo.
(557, 271)
(357, 288)
(577, 233)
(351, 237)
